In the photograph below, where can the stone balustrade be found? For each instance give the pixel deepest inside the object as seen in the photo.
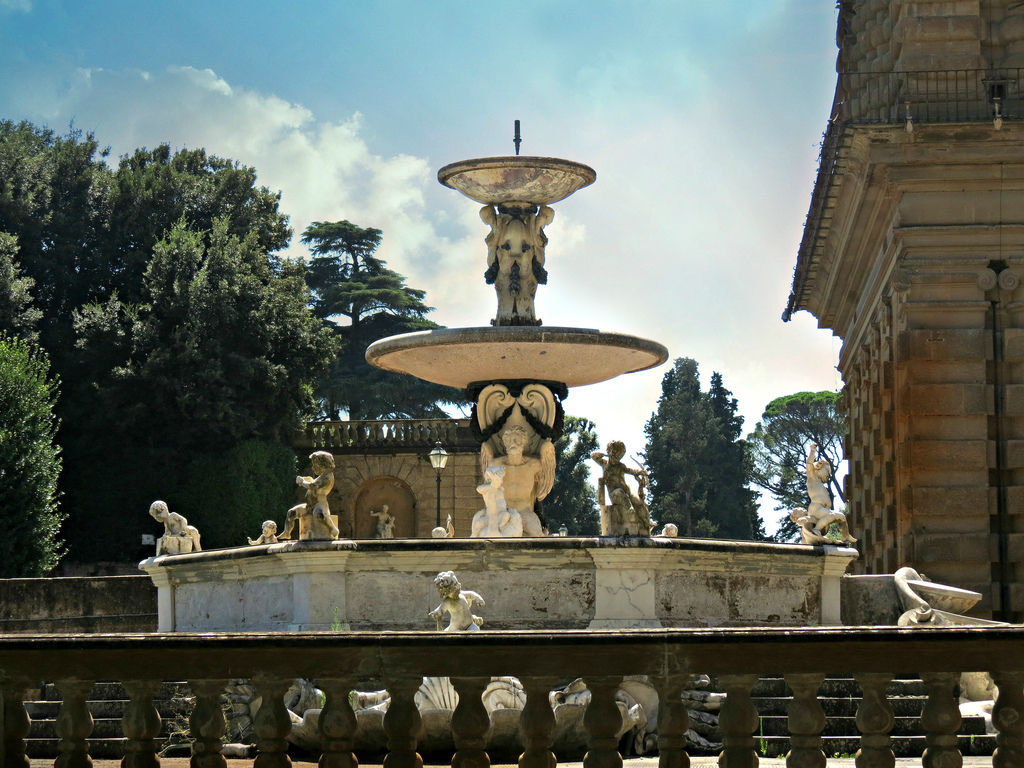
(342, 661)
(385, 433)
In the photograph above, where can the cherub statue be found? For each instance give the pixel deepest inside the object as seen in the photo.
(316, 509)
(445, 532)
(179, 537)
(496, 519)
(456, 602)
(527, 478)
(515, 259)
(814, 521)
(385, 523)
(268, 536)
(626, 513)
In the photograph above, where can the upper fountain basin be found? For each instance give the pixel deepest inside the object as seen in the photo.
(523, 180)
(459, 357)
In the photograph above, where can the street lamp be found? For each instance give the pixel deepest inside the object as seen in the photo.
(438, 458)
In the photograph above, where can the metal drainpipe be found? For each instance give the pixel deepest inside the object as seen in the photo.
(1002, 507)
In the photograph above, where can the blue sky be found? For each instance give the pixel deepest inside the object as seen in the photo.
(702, 120)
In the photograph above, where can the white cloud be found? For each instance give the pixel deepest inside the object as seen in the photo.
(24, 6)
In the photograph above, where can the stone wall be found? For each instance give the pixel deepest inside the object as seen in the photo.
(69, 605)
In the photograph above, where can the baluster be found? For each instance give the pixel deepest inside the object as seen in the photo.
(206, 724)
(806, 721)
(602, 722)
(74, 724)
(272, 723)
(140, 725)
(16, 723)
(941, 719)
(402, 724)
(470, 722)
(673, 721)
(536, 723)
(874, 720)
(738, 720)
(337, 725)
(1008, 718)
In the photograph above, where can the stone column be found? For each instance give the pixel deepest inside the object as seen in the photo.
(1008, 718)
(602, 722)
(402, 724)
(337, 725)
(806, 722)
(874, 720)
(15, 723)
(272, 723)
(206, 724)
(140, 724)
(470, 722)
(74, 724)
(536, 723)
(738, 720)
(941, 719)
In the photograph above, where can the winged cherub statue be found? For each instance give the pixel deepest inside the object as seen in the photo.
(527, 478)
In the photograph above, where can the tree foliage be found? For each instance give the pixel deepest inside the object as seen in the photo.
(363, 301)
(779, 445)
(698, 466)
(18, 317)
(29, 462)
(572, 501)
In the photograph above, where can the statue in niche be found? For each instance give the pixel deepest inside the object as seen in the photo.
(515, 259)
(179, 537)
(315, 512)
(814, 521)
(268, 535)
(385, 523)
(626, 513)
(457, 603)
(496, 519)
(447, 531)
(527, 479)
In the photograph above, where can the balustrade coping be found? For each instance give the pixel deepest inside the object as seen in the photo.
(378, 655)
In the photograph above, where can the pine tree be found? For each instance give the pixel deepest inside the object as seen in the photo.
(362, 300)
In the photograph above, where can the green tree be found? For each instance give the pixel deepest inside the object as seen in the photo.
(572, 501)
(698, 467)
(779, 445)
(363, 301)
(18, 317)
(29, 462)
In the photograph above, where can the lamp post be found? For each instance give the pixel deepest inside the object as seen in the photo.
(438, 458)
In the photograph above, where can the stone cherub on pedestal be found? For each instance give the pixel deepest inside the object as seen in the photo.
(179, 537)
(268, 536)
(496, 519)
(814, 521)
(626, 514)
(526, 479)
(314, 517)
(385, 523)
(456, 602)
(515, 259)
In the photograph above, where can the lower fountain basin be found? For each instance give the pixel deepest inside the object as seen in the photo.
(459, 357)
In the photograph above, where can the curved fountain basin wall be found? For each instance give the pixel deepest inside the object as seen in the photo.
(556, 583)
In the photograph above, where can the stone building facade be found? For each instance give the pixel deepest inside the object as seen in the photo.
(386, 462)
(913, 254)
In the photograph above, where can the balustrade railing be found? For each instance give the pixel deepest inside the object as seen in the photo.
(943, 96)
(383, 433)
(341, 661)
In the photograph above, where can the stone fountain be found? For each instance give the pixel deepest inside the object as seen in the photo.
(516, 372)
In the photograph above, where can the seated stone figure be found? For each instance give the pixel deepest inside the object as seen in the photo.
(179, 537)
(316, 513)
(497, 519)
(268, 536)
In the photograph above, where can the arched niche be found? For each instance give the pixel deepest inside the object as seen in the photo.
(374, 494)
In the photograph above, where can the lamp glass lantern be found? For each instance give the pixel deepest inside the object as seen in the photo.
(438, 458)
